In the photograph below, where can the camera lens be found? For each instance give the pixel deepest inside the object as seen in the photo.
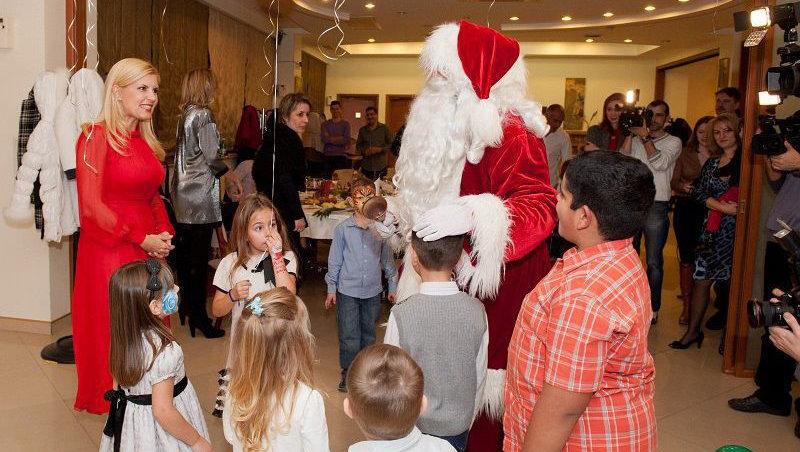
(754, 315)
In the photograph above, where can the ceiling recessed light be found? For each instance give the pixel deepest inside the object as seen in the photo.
(608, 14)
(371, 40)
(629, 40)
(649, 8)
(683, 1)
(369, 5)
(589, 40)
(566, 18)
(513, 18)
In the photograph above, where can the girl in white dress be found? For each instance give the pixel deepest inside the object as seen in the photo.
(272, 404)
(154, 407)
(263, 260)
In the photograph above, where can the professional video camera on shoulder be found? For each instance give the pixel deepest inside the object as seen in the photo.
(782, 80)
(631, 115)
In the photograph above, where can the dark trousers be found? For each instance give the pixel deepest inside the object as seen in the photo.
(459, 442)
(192, 251)
(775, 368)
(687, 220)
(656, 230)
(355, 320)
(333, 163)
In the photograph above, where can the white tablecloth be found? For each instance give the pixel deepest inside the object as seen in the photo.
(322, 228)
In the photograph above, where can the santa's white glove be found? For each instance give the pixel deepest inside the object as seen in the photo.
(444, 221)
(387, 227)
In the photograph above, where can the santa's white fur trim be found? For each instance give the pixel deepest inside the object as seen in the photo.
(483, 122)
(409, 281)
(489, 240)
(493, 397)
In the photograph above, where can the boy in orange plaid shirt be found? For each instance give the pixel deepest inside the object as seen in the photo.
(579, 374)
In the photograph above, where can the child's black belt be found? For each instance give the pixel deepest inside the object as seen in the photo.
(119, 400)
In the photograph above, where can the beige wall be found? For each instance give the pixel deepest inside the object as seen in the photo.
(402, 75)
(689, 90)
(34, 276)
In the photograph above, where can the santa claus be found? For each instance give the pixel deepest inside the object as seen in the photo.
(472, 161)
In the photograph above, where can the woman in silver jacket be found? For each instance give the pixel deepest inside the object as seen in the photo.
(196, 196)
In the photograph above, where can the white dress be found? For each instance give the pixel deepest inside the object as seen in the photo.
(140, 431)
(307, 431)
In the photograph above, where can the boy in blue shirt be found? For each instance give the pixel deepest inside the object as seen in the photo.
(354, 282)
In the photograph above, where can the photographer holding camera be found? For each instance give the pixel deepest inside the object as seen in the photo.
(775, 368)
(658, 150)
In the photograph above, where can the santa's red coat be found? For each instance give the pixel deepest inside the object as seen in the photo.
(516, 172)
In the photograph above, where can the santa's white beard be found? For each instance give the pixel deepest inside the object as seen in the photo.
(432, 155)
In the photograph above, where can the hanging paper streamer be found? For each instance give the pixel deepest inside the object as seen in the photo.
(90, 28)
(489, 14)
(70, 32)
(338, 51)
(163, 46)
(273, 33)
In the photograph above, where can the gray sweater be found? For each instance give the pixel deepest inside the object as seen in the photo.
(444, 335)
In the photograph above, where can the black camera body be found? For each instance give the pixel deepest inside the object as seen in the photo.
(774, 132)
(763, 312)
(632, 116)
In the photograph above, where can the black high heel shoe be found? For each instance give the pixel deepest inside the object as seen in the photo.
(678, 345)
(208, 330)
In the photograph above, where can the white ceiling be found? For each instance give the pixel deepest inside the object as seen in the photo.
(672, 25)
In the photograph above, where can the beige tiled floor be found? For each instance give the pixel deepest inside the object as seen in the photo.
(691, 392)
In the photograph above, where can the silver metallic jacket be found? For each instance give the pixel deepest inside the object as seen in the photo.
(194, 187)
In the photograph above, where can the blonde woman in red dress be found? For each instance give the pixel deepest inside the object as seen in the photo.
(123, 218)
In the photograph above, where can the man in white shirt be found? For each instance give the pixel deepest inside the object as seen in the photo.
(557, 142)
(659, 151)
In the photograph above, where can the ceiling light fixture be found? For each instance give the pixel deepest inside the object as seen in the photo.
(566, 18)
(589, 39)
(514, 18)
(629, 41)
(649, 8)
(608, 14)
(369, 5)
(683, 1)
(371, 40)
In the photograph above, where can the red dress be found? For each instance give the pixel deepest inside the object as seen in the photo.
(119, 204)
(517, 172)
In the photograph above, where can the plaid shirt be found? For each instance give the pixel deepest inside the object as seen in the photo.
(584, 329)
(29, 117)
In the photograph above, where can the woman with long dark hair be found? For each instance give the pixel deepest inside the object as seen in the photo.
(717, 188)
(607, 135)
(688, 216)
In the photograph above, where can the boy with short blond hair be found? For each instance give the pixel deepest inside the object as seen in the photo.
(385, 398)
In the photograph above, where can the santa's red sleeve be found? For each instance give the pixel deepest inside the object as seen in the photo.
(512, 205)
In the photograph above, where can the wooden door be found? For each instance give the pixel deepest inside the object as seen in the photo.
(397, 107)
(354, 107)
(314, 72)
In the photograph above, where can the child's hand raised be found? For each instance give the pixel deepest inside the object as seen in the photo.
(240, 290)
(275, 243)
(330, 301)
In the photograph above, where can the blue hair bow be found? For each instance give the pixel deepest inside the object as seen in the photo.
(255, 306)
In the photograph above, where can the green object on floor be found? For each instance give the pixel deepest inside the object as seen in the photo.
(733, 448)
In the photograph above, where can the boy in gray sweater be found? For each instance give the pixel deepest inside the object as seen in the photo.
(446, 332)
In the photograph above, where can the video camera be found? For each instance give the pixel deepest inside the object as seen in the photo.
(782, 80)
(631, 115)
(763, 312)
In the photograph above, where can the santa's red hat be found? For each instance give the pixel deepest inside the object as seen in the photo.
(488, 72)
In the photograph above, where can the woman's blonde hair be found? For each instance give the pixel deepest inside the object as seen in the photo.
(726, 118)
(289, 103)
(273, 353)
(198, 88)
(130, 316)
(241, 221)
(122, 74)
